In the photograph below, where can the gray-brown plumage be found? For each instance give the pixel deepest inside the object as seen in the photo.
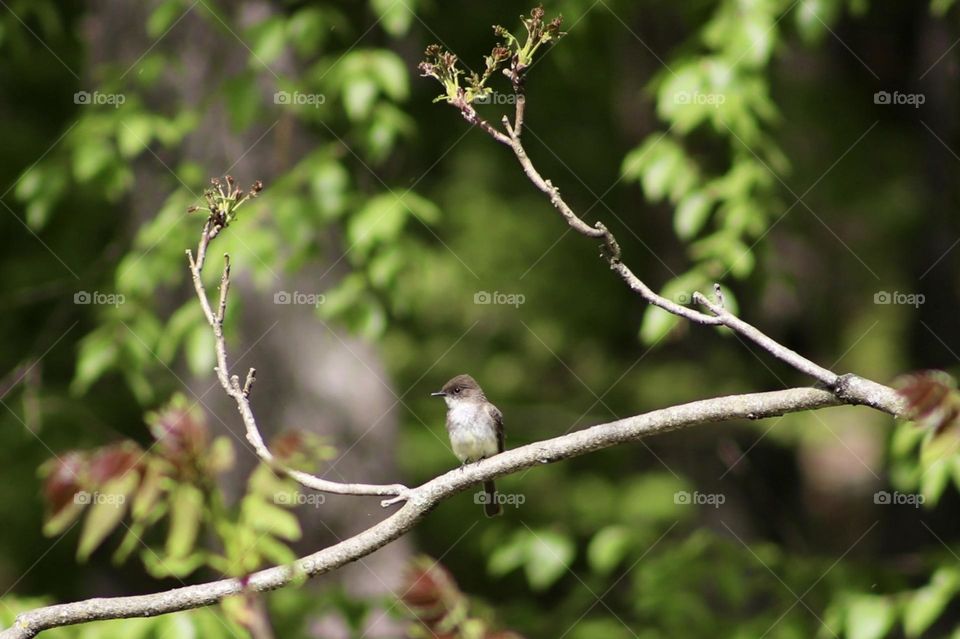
(475, 427)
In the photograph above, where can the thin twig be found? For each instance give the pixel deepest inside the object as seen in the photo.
(781, 352)
(611, 253)
(241, 395)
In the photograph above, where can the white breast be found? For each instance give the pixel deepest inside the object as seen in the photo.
(473, 435)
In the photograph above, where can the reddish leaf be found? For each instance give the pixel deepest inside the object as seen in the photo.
(65, 477)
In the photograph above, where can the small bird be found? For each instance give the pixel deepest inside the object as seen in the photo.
(475, 427)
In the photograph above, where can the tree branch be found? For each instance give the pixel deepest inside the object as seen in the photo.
(866, 392)
(840, 389)
(425, 497)
(241, 394)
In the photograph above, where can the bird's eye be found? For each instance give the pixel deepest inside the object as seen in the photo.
(456, 389)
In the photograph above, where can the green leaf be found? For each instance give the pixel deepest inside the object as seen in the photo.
(91, 158)
(162, 567)
(929, 602)
(378, 221)
(683, 99)
(385, 266)
(30, 184)
(108, 506)
(220, 456)
(329, 182)
(656, 324)
(62, 520)
(359, 94)
(936, 456)
(306, 30)
(134, 134)
(606, 628)
(276, 552)
(814, 17)
(421, 207)
(549, 554)
(186, 513)
(508, 555)
(163, 17)
(185, 319)
(692, 214)
(390, 71)
(369, 319)
(98, 352)
(906, 437)
(200, 350)
(268, 39)
(344, 296)
(869, 617)
(38, 213)
(269, 518)
(132, 539)
(394, 15)
(939, 8)
(151, 488)
(662, 167)
(608, 548)
(264, 482)
(387, 124)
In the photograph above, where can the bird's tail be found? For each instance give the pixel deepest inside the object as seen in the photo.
(491, 507)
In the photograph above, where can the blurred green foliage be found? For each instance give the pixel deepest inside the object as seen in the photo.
(721, 140)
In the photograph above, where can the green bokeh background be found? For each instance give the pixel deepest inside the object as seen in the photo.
(822, 202)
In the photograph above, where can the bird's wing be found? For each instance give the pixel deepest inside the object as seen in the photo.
(498, 419)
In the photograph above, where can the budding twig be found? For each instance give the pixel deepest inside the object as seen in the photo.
(222, 207)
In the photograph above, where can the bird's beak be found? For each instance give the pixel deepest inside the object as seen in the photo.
(438, 394)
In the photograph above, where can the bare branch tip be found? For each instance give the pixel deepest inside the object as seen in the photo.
(718, 293)
(248, 385)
